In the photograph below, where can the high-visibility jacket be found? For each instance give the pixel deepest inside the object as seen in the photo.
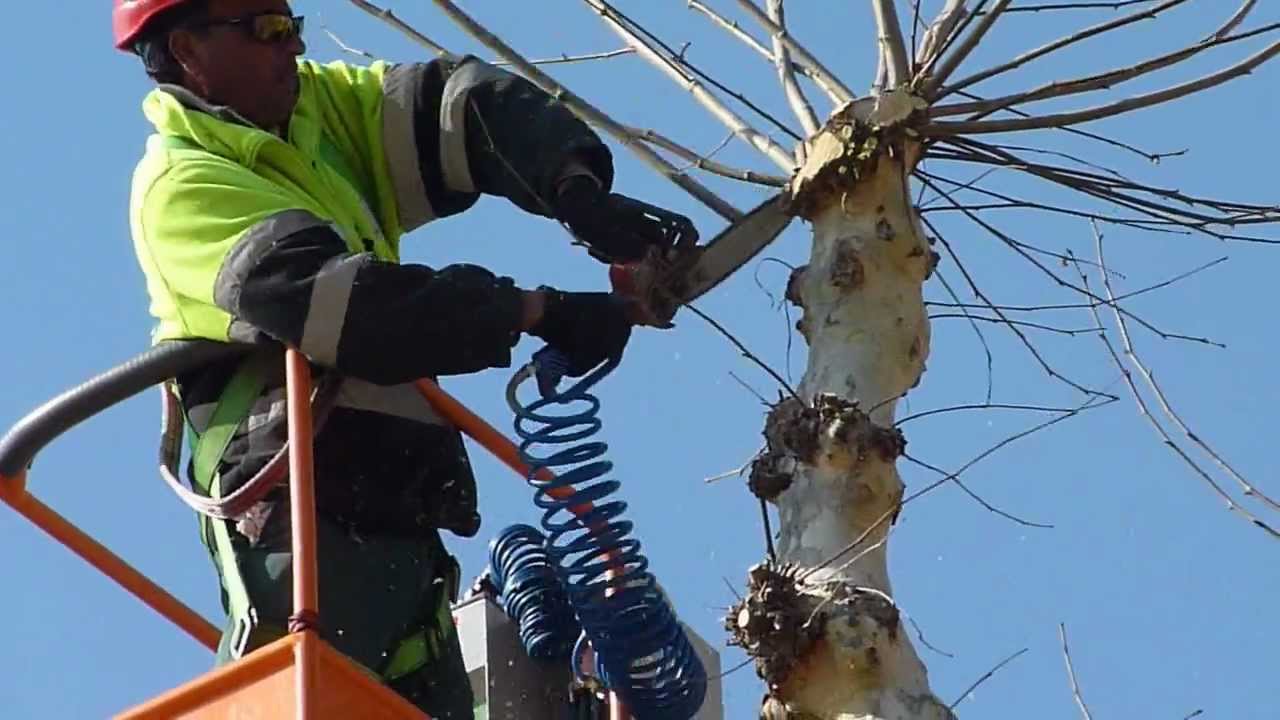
(245, 235)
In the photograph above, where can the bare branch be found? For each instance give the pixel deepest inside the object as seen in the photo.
(582, 108)
(975, 496)
(1149, 13)
(787, 76)
(390, 18)
(1035, 352)
(843, 94)
(1078, 5)
(982, 339)
(1160, 430)
(953, 60)
(1020, 248)
(1165, 405)
(1101, 81)
(1071, 673)
(987, 676)
(939, 33)
(893, 47)
(1092, 403)
(1235, 20)
(703, 162)
(1154, 157)
(1126, 194)
(1018, 323)
(937, 129)
(736, 30)
(1083, 306)
(983, 406)
(746, 353)
(772, 150)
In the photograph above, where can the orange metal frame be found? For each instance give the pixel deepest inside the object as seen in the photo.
(302, 649)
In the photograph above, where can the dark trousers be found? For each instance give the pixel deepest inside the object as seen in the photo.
(374, 592)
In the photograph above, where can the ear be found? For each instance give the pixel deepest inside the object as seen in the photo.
(185, 48)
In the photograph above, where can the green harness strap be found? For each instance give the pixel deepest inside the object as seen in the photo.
(207, 449)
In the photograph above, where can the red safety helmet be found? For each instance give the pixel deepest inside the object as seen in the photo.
(130, 17)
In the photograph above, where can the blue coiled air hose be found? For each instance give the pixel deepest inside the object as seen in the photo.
(642, 653)
(525, 578)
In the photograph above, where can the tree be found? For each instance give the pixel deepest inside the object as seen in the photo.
(819, 616)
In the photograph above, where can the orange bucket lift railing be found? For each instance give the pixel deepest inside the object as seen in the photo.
(281, 679)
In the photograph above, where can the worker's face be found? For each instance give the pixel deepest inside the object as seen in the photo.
(227, 65)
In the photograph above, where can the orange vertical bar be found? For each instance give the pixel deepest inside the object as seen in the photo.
(13, 491)
(305, 659)
(306, 602)
(302, 497)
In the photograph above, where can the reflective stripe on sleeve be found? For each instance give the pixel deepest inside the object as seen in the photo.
(327, 312)
(454, 163)
(400, 89)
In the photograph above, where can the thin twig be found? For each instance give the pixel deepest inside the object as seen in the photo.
(982, 406)
(579, 106)
(743, 349)
(390, 18)
(952, 61)
(704, 162)
(1082, 306)
(1235, 20)
(926, 643)
(787, 76)
(1071, 673)
(1040, 52)
(629, 31)
(986, 677)
(986, 348)
(843, 94)
(1101, 81)
(768, 531)
(1160, 429)
(1020, 323)
(1137, 102)
(1092, 403)
(736, 30)
(1149, 378)
(1019, 248)
(973, 286)
(977, 498)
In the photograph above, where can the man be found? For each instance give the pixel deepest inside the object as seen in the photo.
(268, 208)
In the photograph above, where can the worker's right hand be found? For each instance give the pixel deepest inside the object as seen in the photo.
(587, 327)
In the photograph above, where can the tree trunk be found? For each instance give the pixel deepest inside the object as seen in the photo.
(828, 639)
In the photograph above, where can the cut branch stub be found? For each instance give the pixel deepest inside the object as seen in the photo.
(773, 623)
(786, 627)
(833, 433)
(849, 146)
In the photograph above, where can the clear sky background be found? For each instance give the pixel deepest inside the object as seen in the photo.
(1169, 599)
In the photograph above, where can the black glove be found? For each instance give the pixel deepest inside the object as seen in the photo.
(616, 228)
(588, 327)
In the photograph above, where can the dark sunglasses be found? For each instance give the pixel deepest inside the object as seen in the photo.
(268, 27)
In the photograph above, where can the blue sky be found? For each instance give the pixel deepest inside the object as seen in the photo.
(1168, 598)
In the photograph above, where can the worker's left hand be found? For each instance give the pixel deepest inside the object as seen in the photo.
(616, 228)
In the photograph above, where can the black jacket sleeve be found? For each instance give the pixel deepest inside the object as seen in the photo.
(292, 278)
(478, 129)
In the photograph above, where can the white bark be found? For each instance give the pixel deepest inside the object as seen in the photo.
(864, 319)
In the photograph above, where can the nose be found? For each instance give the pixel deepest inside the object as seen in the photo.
(296, 45)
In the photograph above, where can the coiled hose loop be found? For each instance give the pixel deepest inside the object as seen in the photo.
(525, 578)
(642, 652)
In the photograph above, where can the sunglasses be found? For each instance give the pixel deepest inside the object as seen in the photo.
(268, 27)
